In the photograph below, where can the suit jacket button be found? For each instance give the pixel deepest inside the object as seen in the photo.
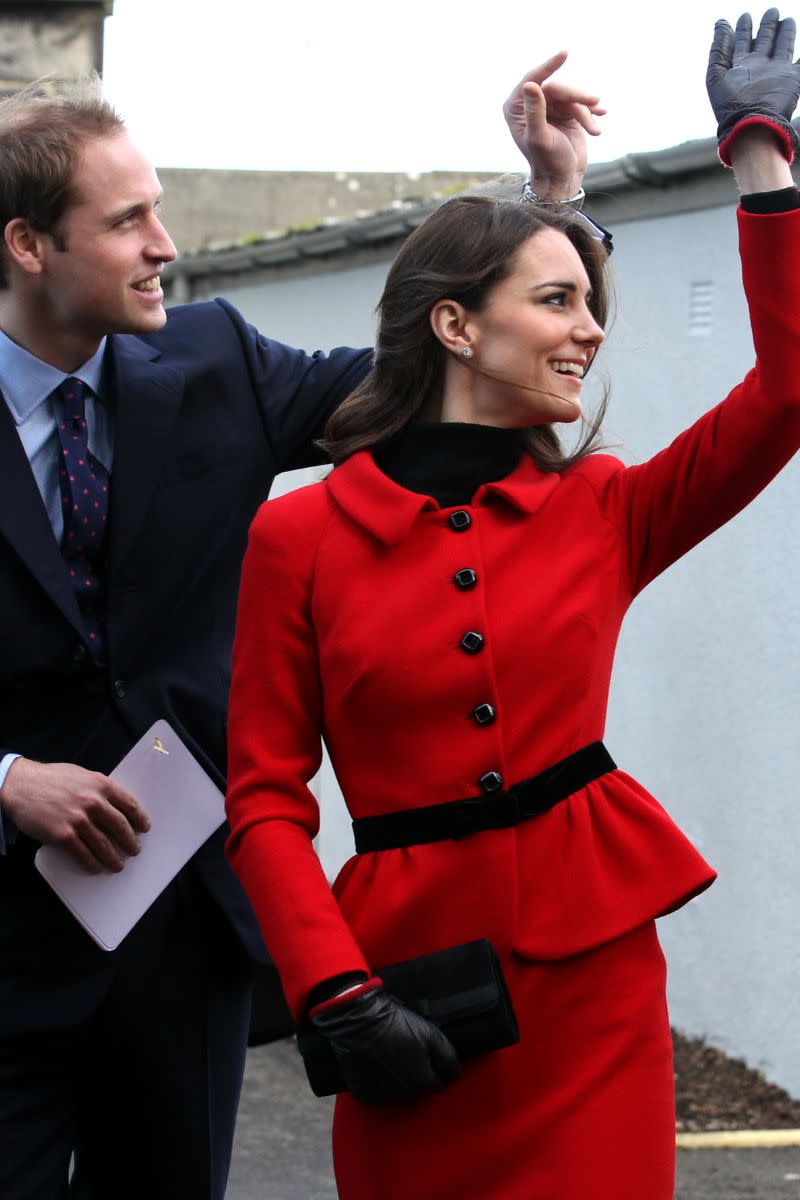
(465, 578)
(460, 520)
(79, 653)
(484, 714)
(472, 642)
(492, 781)
(119, 689)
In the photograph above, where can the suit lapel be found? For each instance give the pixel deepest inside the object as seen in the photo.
(25, 524)
(147, 398)
(147, 401)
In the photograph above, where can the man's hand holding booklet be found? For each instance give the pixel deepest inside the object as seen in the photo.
(184, 806)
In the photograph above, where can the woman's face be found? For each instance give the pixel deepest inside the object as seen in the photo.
(531, 343)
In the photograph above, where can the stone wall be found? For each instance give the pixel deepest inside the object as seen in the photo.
(204, 208)
(62, 38)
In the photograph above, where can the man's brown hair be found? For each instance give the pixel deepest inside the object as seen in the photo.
(42, 133)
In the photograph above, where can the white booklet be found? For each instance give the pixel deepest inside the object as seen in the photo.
(184, 807)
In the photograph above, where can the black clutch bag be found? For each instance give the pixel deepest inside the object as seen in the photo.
(460, 989)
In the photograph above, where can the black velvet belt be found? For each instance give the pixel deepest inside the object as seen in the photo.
(498, 810)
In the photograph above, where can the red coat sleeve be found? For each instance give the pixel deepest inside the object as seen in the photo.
(717, 466)
(274, 749)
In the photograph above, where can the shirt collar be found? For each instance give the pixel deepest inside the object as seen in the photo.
(27, 381)
(388, 511)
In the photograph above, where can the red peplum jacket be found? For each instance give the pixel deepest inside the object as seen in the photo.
(350, 626)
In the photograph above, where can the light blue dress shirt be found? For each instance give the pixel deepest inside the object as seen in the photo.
(27, 385)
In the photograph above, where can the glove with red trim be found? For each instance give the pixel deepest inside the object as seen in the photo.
(753, 82)
(386, 1051)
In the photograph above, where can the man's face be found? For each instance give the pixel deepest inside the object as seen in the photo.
(106, 279)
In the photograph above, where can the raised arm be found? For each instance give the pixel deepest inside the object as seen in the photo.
(549, 121)
(753, 87)
(716, 467)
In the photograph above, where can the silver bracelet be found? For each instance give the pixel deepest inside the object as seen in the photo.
(529, 196)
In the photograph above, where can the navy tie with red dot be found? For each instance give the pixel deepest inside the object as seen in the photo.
(84, 498)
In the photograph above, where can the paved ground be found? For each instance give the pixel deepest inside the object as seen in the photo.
(283, 1134)
(739, 1174)
(282, 1149)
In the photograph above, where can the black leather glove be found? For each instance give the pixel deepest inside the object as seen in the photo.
(747, 78)
(386, 1051)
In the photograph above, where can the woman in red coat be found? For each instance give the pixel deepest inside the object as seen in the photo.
(443, 610)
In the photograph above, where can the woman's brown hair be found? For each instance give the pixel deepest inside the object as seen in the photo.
(460, 252)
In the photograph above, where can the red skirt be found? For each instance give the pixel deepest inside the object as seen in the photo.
(582, 1106)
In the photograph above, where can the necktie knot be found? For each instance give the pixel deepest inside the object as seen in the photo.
(73, 398)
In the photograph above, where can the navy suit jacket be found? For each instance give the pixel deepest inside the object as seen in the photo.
(206, 412)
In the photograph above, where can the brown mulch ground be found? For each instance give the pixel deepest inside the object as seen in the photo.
(713, 1092)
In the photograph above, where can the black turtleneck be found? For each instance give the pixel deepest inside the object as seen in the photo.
(449, 460)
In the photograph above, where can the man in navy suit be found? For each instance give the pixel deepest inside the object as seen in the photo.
(132, 1060)
(136, 1056)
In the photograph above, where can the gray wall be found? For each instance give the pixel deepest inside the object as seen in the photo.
(316, 312)
(704, 703)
